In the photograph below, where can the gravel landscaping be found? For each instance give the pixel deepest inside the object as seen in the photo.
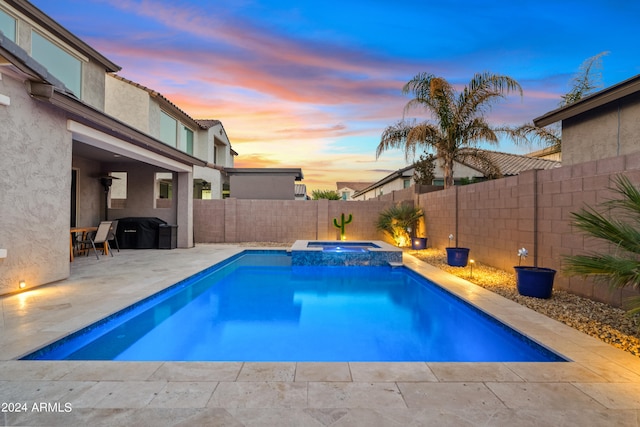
(599, 320)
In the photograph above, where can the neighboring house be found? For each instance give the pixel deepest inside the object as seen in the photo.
(150, 112)
(603, 124)
(264, 183)
(347, 189)
(63, 130)
(548, 153)
(300, 191)
(509, 164)
(398, 180)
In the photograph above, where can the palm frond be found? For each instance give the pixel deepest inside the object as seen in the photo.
(618, 226)
(628, 204)
(394, 136)
(619, 272)
(614, 231)
(528, 134)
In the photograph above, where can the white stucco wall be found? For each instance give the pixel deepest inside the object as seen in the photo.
(127, 103)
(35, 159)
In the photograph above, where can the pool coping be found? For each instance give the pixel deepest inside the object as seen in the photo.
(599, 381)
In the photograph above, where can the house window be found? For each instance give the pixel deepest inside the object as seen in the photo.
(58, 62)
(187, 140)
(118, 191)
(164, 190)
(219, 151)
(8, 26)
(168, 129)
(406, 183)
(345, 195)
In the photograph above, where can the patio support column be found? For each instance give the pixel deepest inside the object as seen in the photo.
(184, 209)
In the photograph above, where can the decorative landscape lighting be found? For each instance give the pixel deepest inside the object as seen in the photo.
(22, 284)
(471, 262)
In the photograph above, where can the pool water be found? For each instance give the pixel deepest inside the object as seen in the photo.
(259, 308)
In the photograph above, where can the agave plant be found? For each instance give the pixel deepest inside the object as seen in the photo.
(619, 225)
(399, 222)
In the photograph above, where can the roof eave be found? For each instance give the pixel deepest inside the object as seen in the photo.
(598, 99)
(98, 120)
(65, 35)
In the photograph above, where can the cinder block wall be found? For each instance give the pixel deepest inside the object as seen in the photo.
(493, 218)
(532, 210)
(238, 220)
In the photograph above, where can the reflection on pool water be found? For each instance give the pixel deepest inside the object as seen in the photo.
(257, 307)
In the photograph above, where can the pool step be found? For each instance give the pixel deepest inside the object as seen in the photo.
(395, 264)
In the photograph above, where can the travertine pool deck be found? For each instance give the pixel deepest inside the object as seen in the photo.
(600, 387)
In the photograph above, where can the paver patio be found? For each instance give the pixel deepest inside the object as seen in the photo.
(599, 387)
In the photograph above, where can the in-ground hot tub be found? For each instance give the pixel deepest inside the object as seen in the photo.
(341, 253)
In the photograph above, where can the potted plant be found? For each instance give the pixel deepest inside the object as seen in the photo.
(456, 256)
(533, 281)
(400, 222)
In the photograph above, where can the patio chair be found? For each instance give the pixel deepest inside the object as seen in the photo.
(99, 237)
(112, 233)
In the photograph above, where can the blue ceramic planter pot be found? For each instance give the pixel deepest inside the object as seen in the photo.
(457, 257)
(535, 281)
(419, 243)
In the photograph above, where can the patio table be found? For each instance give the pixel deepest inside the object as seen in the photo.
(82, 230)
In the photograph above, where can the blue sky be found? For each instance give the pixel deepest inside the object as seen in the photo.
(313, 84)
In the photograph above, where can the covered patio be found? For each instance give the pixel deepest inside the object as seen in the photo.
(599, 387)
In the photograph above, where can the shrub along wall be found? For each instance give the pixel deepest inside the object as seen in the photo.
(532, 210)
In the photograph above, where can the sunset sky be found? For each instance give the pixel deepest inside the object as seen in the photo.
(313, 84)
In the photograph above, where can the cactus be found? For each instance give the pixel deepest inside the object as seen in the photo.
(342, 224)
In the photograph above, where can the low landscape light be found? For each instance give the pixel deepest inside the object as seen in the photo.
(22, 284)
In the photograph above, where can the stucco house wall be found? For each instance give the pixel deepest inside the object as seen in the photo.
(34, 184)
(607, 131)
(127, 103)
(262, 186)
(89, 191)
(140, 200)
(93, 75)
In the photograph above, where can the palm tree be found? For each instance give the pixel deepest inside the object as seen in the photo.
(585, 82)
(619, 226)
(458, 121)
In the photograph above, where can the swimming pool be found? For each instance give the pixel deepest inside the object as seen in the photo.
(257, 307)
